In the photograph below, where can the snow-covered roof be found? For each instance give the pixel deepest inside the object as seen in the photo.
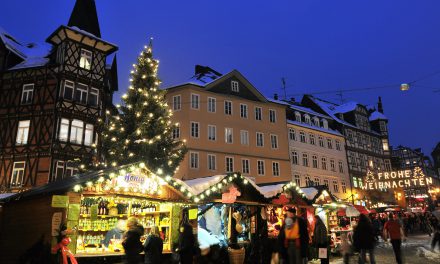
(310, 192)
(33, 54)
(329, 108)
(277, 101)
(86, 33)
(199, 185)
(305, 125)
(345, 108)
(376, 115)
(272, 190)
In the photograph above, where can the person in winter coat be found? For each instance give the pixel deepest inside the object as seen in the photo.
(364, 240)
(153, 246)
(186, 245)
(293, 239)
(320, 237)
(132, 241)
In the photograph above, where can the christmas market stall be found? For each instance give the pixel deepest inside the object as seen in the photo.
(230, 211)
(92, 209)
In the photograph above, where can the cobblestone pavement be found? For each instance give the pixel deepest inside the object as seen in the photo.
(417, 249)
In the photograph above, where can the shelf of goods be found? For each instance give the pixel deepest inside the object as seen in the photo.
(100, 214)
(332, 220)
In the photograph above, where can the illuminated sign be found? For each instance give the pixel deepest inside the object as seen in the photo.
(138, 183)
(396, 179)
(231, 196)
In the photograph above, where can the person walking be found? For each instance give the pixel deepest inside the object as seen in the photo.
(132, 241)
(393, 230)
(153, 246)
(186, 245)
(436, 236)
(364, 239)
(320, 239)
(293, 239)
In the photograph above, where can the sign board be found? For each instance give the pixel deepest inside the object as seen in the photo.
(139, 181)
(73, 213)
(56, 222)
(60, 201)
(192, 213)
(396, 179)
(231, 196)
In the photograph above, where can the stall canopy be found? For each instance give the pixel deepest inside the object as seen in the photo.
(284, 193)
(349, 211)
(108, 178)
(361, 209)
(319, 195)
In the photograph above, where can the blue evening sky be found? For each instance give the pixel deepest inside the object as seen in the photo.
(317, 45)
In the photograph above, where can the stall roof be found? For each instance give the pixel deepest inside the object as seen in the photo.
(208, 187)
(314, 192)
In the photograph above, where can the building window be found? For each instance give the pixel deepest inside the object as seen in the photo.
(88, 137)
(297, 180)
(316, 121)
(275, 168)
(307, 119)
(76, 131)
(388, 165)
(385, 145)
(194, 160)
(177, 102)
(17, 176)
(272, 116)
(260, 167)
(308, 181)
(195, 101)
(295, 158)
(229, 164)
(344, 187)
(317, 182)
(59, 170)
(176, 131)
(338, 145)
(23, 132)
(243, 111)
(27, 93)
(244, 137)
(212, 132)
(329, 143)
(321, 141)
(325, 123)
(228, 108)
(332, 165)
(228, 135)
(85, 60)
(69, 87)
(324, 163)
(305, 160)
(258, 113)
(315, 161)
(64, 130)
(81, 93)
(274, 141)
(260, 139)
(234, 86)
(302, 136)
(341, 167)
(245, 166)
(212, 104)
(292, 134)
(195, 129)
(335, 186)
(355, 182)
(312, 139)
(326, 183)
(93, 97)
(212, 162)
(297, 117)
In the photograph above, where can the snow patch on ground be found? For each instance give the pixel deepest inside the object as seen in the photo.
(426, 253)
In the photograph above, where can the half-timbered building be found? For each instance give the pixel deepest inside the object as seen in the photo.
(52, 96)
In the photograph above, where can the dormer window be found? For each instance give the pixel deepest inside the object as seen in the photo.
(297, 117)
(27, 94)
(316, 121)
(234, 86)
(307, 119)
(325, 124)
(85, 61)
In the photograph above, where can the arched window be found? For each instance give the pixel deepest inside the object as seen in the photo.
(316, 121)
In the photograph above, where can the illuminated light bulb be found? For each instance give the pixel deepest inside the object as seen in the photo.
(245, 181)
(77, 188)
(122, 172)
(118, 106)
(168, 178)
(112, 175)
(182, 189)
(235, 175)
(114, 164)
(131, 154)
(89, 183)
(230, 178)
(138, 114)
(150, 141)
(184, 140)
(189, 194)
(138, 131)
(202, 196)
(82, 166)
(158, 136)
(141, 165)
(159, 171)
(170, 162)
(113, 139)
(101, 179)
(144, 76)
(196, 199)
(214, 189)
(151, 115)
(107, 112)
(208, 192)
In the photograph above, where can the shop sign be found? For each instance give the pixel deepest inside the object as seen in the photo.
(282, 199)
(396, 179)
(192, 214)
(60, 201)
(137, 181)
(56, 222)
(231, 196)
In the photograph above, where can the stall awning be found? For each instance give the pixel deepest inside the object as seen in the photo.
(361, 209)
(349, 211)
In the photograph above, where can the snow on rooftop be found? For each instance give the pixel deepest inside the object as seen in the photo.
(308, 110)
(277, 101)
(271, 190)
(345, 108)
(199, 185)
(33, 54)
(310, 192)
(77, 29)
(376, 115)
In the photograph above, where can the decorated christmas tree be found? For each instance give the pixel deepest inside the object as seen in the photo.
(141, 131)
(418, 173)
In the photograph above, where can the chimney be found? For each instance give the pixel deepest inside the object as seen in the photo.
(292, 100)
(379, 105)
(275, 96)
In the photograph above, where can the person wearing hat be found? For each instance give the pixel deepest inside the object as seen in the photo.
(293, 239)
